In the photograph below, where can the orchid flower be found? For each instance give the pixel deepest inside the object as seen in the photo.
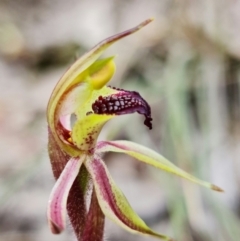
(79, 106)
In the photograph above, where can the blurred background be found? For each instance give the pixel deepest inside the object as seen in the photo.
(186, 64)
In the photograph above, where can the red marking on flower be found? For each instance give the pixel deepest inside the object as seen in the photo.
(63, 133)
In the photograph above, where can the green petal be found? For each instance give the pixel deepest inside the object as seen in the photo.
(150, 157)
(78, 96)
(86, 130)
(113, 202)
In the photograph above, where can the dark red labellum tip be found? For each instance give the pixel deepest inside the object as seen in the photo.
(124, 102)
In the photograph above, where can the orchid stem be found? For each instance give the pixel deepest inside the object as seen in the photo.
(94, 227)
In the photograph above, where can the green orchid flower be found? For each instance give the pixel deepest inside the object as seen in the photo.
(79, 106)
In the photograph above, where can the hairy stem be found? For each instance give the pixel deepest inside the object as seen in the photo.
(94, 227)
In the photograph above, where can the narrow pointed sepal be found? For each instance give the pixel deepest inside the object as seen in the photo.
(57, 204)
(150, 157)
(113, 202)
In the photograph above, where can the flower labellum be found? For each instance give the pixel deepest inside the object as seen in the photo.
(125, 102)
(80, 105)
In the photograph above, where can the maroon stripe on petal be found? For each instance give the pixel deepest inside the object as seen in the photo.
(108, 194)
(102, 144)
(115, 207)
(59, 195)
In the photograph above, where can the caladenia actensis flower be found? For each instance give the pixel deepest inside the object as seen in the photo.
(79, 106)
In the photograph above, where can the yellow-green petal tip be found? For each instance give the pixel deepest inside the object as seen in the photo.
(216, 188)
